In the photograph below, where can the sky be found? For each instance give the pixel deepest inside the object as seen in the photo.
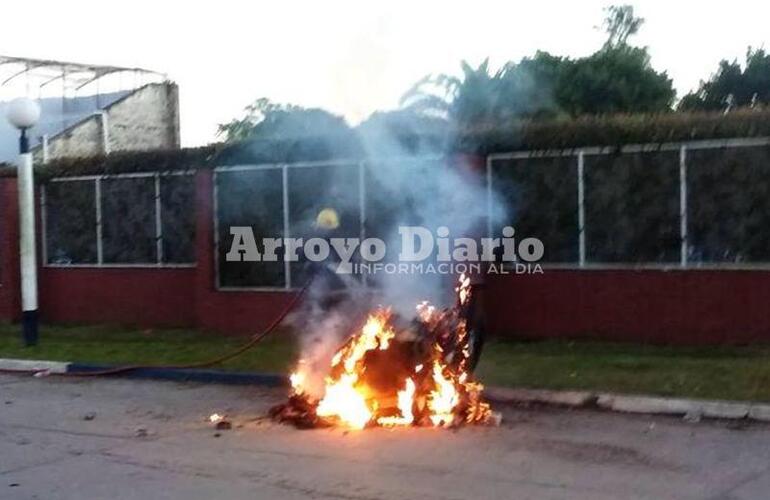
(354, 57)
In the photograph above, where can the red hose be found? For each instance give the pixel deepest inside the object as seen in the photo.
(256, 338)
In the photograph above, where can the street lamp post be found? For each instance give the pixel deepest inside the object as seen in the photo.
(23, 114)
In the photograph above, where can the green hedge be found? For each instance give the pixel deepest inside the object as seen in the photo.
(729, 204)
(123, 162)
(632, 207)
(128, 222)
(613, 131)
(317, 148)
(540, 200)
(631, 202)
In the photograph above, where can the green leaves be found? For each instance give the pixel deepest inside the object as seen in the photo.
(612, 130)
(620, 24)
(616, 79)
(733, 86)
(264, 119)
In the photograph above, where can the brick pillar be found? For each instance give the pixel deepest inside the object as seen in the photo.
(204, 243)
(10, 305)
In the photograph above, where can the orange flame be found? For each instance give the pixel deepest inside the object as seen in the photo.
(441, 396)
(405, 403)
(443, 399)
(345, 401)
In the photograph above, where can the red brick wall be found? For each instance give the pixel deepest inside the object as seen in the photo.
(669, 307)
(134, 296)
(10, 300)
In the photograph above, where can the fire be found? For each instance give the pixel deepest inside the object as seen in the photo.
(215, 418)
(296, 379)
(443, 399)
(396, 373)
(463, 289)
(345, 401)
(405, 403)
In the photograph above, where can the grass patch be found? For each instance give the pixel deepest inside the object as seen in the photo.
(741, 373)
(699, 372)
(102, 344)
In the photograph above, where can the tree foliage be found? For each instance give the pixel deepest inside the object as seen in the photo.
(473, 96)
(479, 96)
(618, 78)
(265, 119)
(620, 23)
(404, 131)
(733, 85)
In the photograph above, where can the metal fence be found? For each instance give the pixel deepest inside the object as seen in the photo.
(275, 200)
(283, 200)
(686, 205)
(122, 220)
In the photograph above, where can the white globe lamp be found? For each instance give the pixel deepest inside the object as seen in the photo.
(23, 113)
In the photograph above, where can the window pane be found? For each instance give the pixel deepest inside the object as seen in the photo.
(250, 198)
(632, 207)
(128, 220)
(70, 214)
(312, 189)
(729, 204)
(540, 197)
(177, 213)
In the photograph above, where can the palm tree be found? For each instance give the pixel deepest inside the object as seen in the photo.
(478, 97)
(473, 97)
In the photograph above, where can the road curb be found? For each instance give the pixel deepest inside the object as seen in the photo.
(187, 375)
(540, 396)
(623, 403)
(33, 365)
(176, 374)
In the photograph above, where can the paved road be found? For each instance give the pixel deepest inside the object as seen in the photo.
(51, 449)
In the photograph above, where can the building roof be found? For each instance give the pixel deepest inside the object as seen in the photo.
(57, 112)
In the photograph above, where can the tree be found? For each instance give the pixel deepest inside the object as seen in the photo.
(731, 85)
(265, 119)
(620, 23)
(529, 87)
(479, 96)
(471, 97)
(618, 78)
(403, 131)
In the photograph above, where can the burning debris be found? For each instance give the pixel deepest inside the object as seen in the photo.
(220, 422)
(394, 372)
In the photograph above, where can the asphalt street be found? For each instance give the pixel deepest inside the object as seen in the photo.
(126, 439)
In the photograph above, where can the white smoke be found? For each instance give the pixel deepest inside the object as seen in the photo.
(428, 188)
(404, 186)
